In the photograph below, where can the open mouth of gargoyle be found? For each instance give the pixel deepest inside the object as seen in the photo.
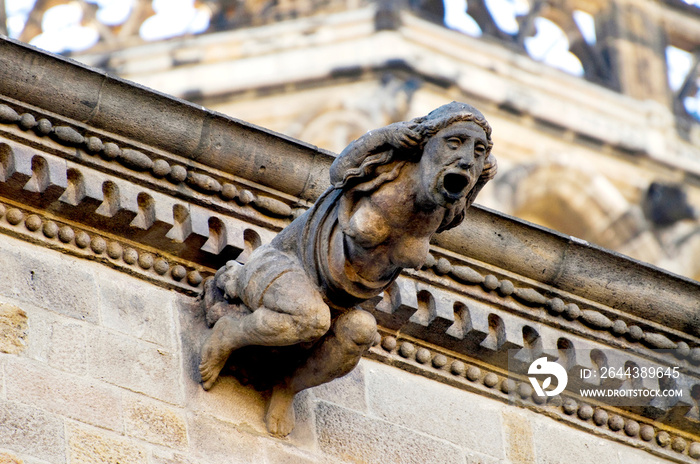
(454, 183)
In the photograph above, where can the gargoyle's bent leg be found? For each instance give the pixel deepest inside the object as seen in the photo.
(292, 312)
(352, 334)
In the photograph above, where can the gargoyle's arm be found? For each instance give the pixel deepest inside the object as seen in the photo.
(397, 135)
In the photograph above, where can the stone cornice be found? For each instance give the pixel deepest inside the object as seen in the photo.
(101, 101)
(576, 266)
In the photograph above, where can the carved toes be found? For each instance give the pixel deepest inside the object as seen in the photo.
(280, 416)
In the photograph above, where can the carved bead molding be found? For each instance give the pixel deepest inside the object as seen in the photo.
(150, 265)
(416, 356)
(172, 221)
(487, 317)
(590, 316)
(175, 172)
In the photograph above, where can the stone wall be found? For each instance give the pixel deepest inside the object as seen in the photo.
(97, 366)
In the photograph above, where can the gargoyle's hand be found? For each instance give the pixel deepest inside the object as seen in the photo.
(402, 135)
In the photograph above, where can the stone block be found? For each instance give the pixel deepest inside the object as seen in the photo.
(557, 443)
(463, 418)
(39, 334)
(13, 329)
(518, 437)
(627, 454)
(218, 442)
(55, 339)
(93, 446)
(228, 399)
(347, 391)
(64, 394)
(356, 438)
(163, 457)
(155, 422)
(136, 365)
(48, 279)
(66, 351)
(138, 309)
(277, 453)
(31, 432)
(7, 458)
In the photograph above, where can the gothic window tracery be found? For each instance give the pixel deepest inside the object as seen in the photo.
(562, 38)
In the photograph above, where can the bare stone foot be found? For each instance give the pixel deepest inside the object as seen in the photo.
(215, 352)
(280, 413)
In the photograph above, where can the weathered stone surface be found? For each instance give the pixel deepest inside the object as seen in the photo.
(275, 453)
(159, 457)
(3, 359)
(135, 364)
(66, 351)
(92, 446)
(628, 455)
(465, 419)
(473, 457)
(304, 434)
(156, 423)
(555, 442)
(228, 400)
(347, 391)
(64, 394)
(219, 442)
(164, 457)
(7, 458)
(48, 279)
(138, 309)
(518, 437)
(13, 329)
(353, 437)
(29, 431)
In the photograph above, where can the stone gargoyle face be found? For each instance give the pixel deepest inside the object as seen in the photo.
(452, 162)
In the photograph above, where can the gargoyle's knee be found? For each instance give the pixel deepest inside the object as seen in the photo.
(313, 322)
(309, 318)
(358, 326)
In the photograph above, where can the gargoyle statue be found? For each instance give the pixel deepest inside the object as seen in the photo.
(392, 189)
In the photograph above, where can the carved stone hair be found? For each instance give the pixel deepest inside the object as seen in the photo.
(447, 115)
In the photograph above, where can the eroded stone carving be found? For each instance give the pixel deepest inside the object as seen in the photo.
(298, 296)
